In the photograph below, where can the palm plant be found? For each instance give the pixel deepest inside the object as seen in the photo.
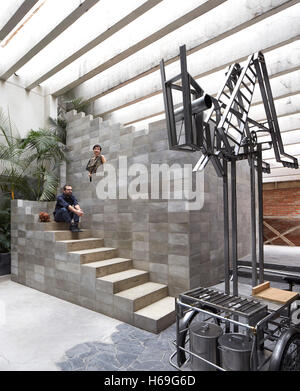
(45, 152)
(5, 223)
(37, 156)
(58, 126)
(12, 165)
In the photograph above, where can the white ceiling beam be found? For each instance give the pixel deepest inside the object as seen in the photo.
(282, 172)
(286, 124)
(14, 15)
(199, 34)
(288, 137)
(164, 18)
(34, 45)
(75, 49)
(154, 106)
(295, 177)
(282, 85)
(293, 149)
(284, 107)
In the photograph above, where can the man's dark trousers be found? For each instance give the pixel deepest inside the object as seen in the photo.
(65, 215)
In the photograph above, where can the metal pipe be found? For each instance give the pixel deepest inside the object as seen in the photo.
(247, 326)
(203, 359)
(272, 271)
(198, 106)
(253, 219)
(226, 227)
(234, 228)
(260, 215)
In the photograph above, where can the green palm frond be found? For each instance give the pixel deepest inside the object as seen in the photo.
(5, 223)
(29, 166)
(58, 127)
(46, 145)
(8, 130)
(49, 186)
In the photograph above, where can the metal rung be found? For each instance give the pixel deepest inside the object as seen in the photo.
(228, 96)
(217, 298)
(254, 73)
(242, 107)
(234, 127)
(247, 88)
(223, 299)
(246, 99)
(249, 78)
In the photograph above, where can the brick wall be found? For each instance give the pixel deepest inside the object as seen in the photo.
(282, 202)
(282, 212)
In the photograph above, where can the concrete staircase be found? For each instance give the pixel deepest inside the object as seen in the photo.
(120, 291)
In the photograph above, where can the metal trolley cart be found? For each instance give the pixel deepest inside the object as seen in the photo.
(229, 330)
(267, 328)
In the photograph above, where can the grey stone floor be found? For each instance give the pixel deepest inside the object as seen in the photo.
(131, 349)
(39, 332)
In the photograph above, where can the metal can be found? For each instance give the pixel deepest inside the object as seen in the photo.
(203, 342)
(235, 351)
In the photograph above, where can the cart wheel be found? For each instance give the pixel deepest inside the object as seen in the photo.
(286, 355)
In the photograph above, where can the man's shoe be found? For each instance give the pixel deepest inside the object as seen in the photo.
(73, 228)
(77, 228)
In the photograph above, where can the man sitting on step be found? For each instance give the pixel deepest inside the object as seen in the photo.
(67, 209)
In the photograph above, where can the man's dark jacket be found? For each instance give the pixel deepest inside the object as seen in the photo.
(63, 201)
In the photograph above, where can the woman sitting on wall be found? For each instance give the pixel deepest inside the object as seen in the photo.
(95, 161)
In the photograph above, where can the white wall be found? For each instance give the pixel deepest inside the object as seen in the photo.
(28, 110)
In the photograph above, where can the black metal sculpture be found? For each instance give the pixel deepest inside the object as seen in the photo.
(223, 131)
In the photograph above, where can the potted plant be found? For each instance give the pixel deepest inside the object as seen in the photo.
(5, 258)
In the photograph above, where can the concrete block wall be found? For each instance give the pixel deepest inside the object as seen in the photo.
(179, 247)
(41, 262)
(32, 255)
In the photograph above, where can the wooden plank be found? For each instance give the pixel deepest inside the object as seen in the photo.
(278, 234)
(283, 234)
(261, 287)
(276, 295)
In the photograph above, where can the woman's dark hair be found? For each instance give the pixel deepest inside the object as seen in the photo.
(97, 145)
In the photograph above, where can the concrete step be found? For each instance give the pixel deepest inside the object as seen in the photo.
(53, 226)
(109, 266)
(134, 299)
(114, 283)
(83, 244)
(96, 254)
(68, 235)
(157, 316)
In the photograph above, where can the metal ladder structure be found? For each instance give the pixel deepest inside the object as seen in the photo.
(221, 128)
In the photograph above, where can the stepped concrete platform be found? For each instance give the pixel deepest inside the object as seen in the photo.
(95, 254)
(141, 295)
(60, 235)
(78, 267)
(121, 281)
(156, 316)
(82, 244)
(109, 266)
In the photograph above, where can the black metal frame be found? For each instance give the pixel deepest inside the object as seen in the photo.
(227, 135)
